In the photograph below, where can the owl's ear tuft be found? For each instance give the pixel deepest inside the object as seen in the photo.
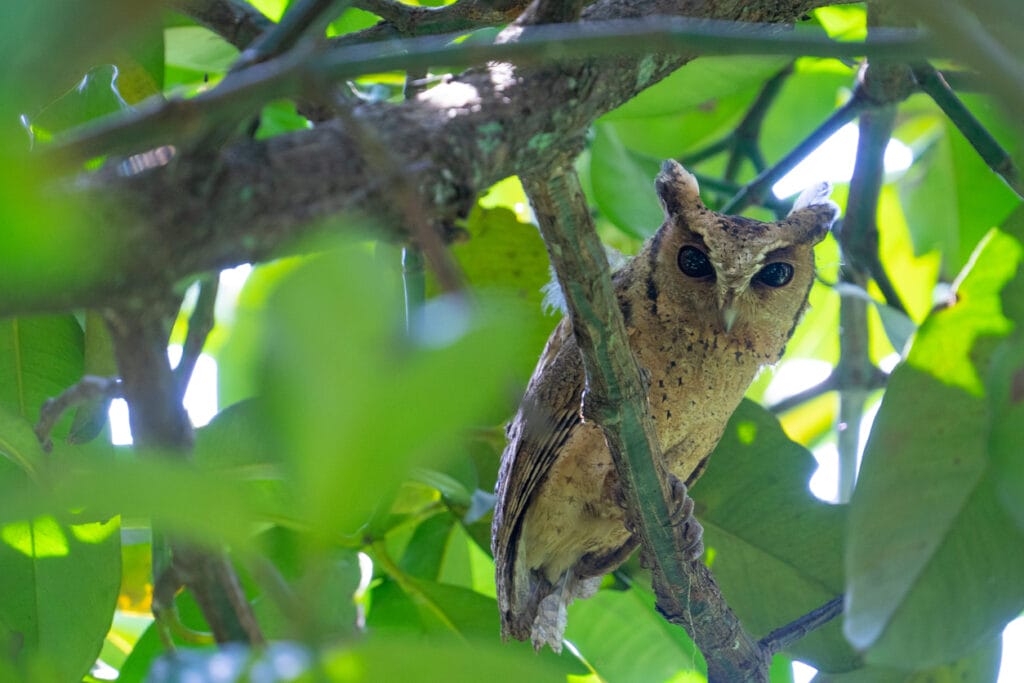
(677, 189)
(814, 213)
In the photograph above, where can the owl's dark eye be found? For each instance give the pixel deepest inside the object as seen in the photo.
(694, 262)
(775, 274)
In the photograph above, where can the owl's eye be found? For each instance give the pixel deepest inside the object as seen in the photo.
(694, 262)
(775, 274)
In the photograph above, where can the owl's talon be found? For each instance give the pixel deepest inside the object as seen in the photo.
(681, 514)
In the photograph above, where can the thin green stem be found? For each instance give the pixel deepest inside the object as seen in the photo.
(983, 142)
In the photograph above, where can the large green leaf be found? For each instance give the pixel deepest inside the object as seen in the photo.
(39, 359)
(623, 638)
(354, 402)
(933, 561)
(703, 80)
(623, 185)
(60, 587)
(951, 197)
(777, 549)
(507, 258)
(981, 666)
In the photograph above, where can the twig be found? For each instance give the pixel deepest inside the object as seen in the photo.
(759, 187)
(616, 400)
(235, 21)
(746, 136)
(89, 388)
(877, 380)
(769, 201)
(790, 402)
(997, 158)
(290, 74)
(200, 323)
(302, 18)
(782, 638)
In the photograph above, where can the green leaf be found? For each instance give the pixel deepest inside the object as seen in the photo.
(981, 666)
(198, 49)
(951, 197)
(432, 661)
(353, 401)
(507, 257)
(39, 358)
(925, 516)
(777, 549)
(60, 589)
(706, 79)
(94, 96)
(623, 185)
(425, 551)
(19, 444)
(623, 638)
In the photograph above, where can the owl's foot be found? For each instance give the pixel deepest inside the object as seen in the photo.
(681, 515)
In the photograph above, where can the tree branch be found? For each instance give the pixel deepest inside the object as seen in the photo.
(160, 426)
(451, 142)
(616, 400)
(987, 147)
(168, 122)
(237, 22)
(782, 638)
(858, 243)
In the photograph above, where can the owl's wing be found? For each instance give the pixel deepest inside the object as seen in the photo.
(546, 417)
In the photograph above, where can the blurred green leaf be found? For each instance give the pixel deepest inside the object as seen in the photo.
(198, 49)
(354, 402)
(507, 258)
(951, 197)
(623, 185)
(94, 96)
(431, 661)
(61, 585)
(778, 550)
(42, 357)
(930, 437)
(624, 638)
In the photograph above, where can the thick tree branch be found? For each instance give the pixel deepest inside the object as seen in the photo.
(452, 142)
(616, 399)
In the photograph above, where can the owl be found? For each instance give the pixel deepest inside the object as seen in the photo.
(708, 301)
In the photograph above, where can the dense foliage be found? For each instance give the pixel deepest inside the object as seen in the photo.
(349, 468)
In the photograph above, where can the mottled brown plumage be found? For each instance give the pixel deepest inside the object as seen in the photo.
(708, 301)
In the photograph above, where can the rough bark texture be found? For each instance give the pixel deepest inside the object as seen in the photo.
(456, 139)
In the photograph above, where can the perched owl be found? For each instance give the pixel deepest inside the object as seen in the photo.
(708, 301)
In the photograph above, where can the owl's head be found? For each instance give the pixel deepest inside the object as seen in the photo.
(749, 269)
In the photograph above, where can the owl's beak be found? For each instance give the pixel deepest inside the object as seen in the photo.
(729, 315)
(728, 309)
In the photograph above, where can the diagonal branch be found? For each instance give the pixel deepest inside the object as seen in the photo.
(616, 400)
(983, 142)
(451, 142)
